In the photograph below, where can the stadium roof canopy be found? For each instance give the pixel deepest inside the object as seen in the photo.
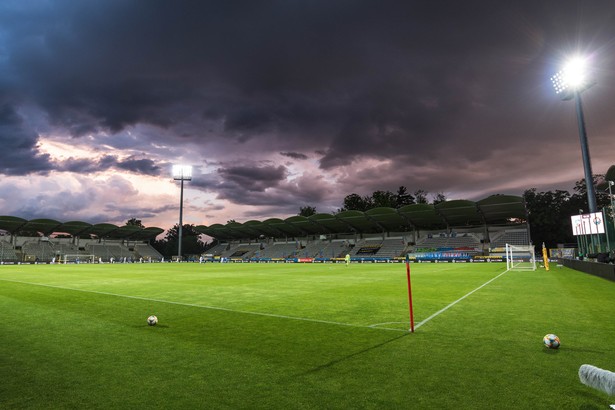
(47, 227)
(493, 210)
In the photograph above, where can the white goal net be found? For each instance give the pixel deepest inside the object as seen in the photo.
(520, 257)
(78, 259)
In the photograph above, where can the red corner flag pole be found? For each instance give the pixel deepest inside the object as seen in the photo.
(409, 293)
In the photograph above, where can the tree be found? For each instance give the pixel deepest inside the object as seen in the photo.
(191, 241)
(420, 196)
(602, 196)
(403, 197)
(384, 199)
(355, 202)
(307, 211)
(135, 222)
(438, 198)
(549, 216)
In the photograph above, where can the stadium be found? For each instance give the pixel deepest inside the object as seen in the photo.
(286, 324)
(481, 283)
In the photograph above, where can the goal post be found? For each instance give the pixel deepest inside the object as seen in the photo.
(78, 259)
(520, 257)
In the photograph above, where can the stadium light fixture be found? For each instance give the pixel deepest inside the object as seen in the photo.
(571, 78)
(181, 173)
(569, 83)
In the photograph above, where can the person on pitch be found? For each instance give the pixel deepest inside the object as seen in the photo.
(347, 259)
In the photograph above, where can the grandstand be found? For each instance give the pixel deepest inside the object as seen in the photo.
(392, 247)
(7, 253)
(68, 249)
(38, 251)
(511, 237)
(312, 249)
(366, 248)
(448, 241)
(48, 240)
(334, 249)
(456, 229)
(145, 251)
(45, 251)
(242, 251)
(451, 230)
(371, 246)
(279, 250)
(217, 250)
(106, 251)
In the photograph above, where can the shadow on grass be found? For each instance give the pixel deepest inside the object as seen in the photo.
(350, 356)
(146, 326)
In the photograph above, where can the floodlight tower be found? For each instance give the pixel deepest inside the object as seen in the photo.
(611, 183)
(569, 83)
(181, 173)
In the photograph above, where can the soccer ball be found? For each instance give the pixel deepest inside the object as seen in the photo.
(551, 341)
(152, 320)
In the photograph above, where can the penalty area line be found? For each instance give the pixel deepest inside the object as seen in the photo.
(170, 302)
(444, 309)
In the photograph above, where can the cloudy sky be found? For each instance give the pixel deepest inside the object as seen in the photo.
(287, 103)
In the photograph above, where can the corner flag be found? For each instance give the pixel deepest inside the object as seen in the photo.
(409, 293)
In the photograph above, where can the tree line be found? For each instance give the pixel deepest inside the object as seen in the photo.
(389, 199)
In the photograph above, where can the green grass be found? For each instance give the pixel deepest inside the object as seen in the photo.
(262, 336)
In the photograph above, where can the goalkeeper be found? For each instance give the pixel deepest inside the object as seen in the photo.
(347, 259)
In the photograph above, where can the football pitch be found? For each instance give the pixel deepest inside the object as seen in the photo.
(301, 336)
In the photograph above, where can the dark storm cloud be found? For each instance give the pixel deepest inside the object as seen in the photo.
(253, 184)
(294, 155)
(407, 81)
(116, 63)
(123, 212)
(107, 162)
(56, 205)
(18, 153)
(139, 166)
(253, 178)
(264, 186)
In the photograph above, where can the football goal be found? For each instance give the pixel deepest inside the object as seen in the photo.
(78, 259)
(520, 257)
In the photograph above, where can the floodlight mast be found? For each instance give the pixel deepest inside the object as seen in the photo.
(611, 183)
(570, 82)
(181, 173)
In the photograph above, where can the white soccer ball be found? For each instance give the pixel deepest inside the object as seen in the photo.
(551, 341)
(152, 320)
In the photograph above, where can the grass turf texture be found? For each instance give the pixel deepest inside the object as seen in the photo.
(299, 336)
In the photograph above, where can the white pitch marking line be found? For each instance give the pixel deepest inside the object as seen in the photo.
(202, 306)
(388, 323)
(457, 301)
